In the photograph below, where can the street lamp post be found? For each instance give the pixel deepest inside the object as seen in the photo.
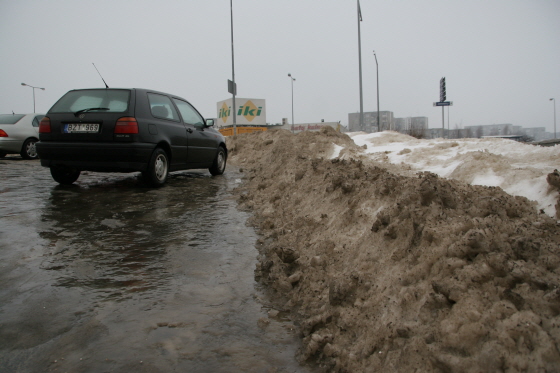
(360, 67)
(33, 93)
(292, 79)
(377, 70)
(554, 102)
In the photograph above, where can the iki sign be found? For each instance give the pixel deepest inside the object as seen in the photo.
(249, 111)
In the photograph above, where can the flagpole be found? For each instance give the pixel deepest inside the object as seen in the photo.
(360, 63)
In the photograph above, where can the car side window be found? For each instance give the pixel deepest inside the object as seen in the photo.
(162, 107)
(189, 114)
(37, 120)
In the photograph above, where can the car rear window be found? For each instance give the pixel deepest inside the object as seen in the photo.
(109, 100)
(10, 118)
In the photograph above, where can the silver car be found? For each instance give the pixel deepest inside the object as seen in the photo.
(19, 133)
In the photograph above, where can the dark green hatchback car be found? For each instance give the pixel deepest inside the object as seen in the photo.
(127, 130)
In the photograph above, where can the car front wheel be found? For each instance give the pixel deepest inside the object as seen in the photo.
(64, 175)
(219, 165)
(158, 168)
(28, 150)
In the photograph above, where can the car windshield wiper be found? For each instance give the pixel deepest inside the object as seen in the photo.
(89, 109)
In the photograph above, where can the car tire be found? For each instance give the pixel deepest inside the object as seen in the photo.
(64, 175)
(28, 150)
(219, 165)
(2, 154)
(158, 168)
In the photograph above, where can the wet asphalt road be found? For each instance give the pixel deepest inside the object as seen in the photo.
(109, 275)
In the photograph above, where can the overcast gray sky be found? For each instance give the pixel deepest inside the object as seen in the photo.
(501, 58)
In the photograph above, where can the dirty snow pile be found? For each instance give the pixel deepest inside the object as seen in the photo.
(387, 269)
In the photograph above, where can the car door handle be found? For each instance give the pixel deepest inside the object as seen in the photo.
(189, 130)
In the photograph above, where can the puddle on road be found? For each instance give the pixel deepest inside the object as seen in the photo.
(111, 276)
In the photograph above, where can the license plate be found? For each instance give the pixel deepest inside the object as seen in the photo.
(81, 128)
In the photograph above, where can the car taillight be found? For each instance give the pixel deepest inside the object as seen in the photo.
(45, 125)
(3, 133)
(126, 125)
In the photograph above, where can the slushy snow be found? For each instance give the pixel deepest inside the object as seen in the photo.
(519, 169)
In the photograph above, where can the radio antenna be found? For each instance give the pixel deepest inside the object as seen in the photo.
(106, 86)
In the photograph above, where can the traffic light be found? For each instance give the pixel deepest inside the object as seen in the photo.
(442, 95)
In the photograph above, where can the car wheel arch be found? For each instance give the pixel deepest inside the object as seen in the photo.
(166, 148)
(36, 139)
(223, 145)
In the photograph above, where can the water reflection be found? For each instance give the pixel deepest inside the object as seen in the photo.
(115, 237)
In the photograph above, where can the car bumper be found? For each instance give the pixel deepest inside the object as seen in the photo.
(10, 146)
(113, 157)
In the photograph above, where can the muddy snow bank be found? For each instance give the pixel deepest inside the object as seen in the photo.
(397, 273)
(520, 169)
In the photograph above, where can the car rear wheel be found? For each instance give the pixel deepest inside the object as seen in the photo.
(3, 154)
(64, 175)
(219, 165)
(158, 168)
(28, 150)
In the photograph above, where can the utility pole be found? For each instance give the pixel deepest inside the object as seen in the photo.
(377, 71)
(554, 102)
(360, 63)
(233, 88)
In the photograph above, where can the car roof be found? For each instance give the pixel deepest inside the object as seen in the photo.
(136, 89)
(145, 90)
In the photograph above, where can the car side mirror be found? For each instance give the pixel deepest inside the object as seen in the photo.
(209, 122)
